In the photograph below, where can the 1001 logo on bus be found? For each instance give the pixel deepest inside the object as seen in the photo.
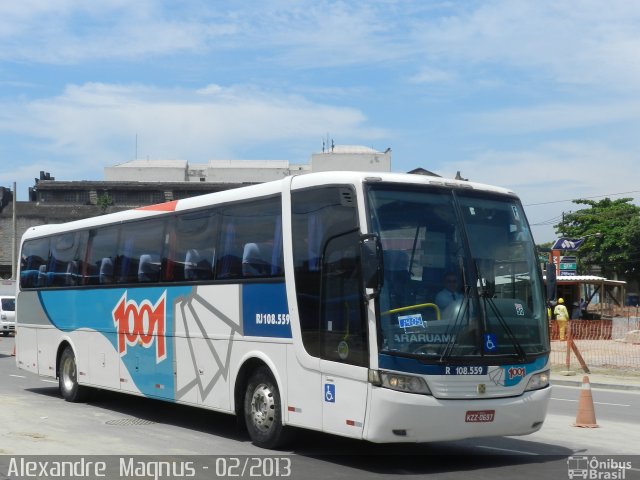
(141, 324)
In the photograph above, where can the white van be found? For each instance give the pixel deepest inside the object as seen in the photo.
(7, 315)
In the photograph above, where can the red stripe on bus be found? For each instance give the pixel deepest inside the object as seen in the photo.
(161, 207)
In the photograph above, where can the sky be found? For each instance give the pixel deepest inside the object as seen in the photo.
(539, 96)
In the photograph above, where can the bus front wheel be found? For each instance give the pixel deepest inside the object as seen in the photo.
(70, 390)
(263, 410)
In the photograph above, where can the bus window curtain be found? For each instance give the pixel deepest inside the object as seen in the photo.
(226, 262)
(276, 254)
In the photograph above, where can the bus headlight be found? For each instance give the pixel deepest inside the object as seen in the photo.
(538, 381)
(400, 382)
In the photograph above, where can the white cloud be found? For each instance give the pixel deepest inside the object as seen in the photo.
(432, 75)
(554, 117)
(575, 42)
(303, 34)
(96, 124)
(71, 31)
(329, 34)
(556, 171)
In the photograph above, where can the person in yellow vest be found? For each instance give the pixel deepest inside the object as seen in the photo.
(562, 317)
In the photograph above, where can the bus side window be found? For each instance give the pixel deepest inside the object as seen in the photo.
(35, 254)
(66, 251)
(139, 251)
(251, 240)
(192, 251)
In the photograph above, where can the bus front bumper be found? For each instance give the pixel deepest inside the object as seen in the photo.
(403, 417)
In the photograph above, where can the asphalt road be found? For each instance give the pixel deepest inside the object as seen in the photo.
(34, 420)
(609, 405)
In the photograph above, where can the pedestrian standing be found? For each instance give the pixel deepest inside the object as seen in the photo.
(575, 311)
(562, 317)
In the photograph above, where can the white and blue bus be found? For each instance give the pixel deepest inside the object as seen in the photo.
(315, 301)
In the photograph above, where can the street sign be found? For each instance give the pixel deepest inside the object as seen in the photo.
(568, 266)
(567, 244)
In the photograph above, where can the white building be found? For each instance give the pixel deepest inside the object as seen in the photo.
(351, 157)
(148, 171)
(340, 157)
(238, 171)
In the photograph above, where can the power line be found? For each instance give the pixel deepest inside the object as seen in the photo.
(584, 213)
(550, 221)
(581, 198)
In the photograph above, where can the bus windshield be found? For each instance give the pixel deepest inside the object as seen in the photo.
(461, 280)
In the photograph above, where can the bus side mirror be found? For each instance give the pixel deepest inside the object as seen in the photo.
(371, 263)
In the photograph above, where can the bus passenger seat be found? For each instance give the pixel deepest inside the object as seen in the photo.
(42, 276)
(71, 277)
(106, 271)
(196, 266)
(191, 260)
(148, 270)
(252, 262)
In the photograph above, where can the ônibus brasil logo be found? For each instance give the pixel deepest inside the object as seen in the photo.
(141, 324)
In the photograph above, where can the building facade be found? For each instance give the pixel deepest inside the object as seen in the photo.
(145, 182)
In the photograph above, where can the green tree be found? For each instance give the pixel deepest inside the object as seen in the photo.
(104, 202)
(612, 231)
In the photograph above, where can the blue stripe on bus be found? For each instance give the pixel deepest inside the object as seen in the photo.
(70, 310)
(410, 365)
(96, 309)
(147, 356)
(264, 310)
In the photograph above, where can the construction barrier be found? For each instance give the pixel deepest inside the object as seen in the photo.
(586, 329)
(616, 347)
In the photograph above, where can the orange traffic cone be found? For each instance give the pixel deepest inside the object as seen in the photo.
(586, 416)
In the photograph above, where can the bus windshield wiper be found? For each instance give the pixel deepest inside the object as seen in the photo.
(487, 298)
(455, 327)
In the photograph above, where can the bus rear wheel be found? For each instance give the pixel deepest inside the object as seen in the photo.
(68, 385)
(263, 411)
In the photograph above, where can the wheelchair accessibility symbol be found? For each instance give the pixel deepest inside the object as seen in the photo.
(490, 342)
(329, 392)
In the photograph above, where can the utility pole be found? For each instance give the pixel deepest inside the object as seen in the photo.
(14, 239)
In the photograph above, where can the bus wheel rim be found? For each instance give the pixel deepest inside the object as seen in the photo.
(262, 407)
(68, 374)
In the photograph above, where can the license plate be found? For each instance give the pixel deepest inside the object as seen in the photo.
(479, 416)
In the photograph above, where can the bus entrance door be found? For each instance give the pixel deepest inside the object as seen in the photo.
(344, 391)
